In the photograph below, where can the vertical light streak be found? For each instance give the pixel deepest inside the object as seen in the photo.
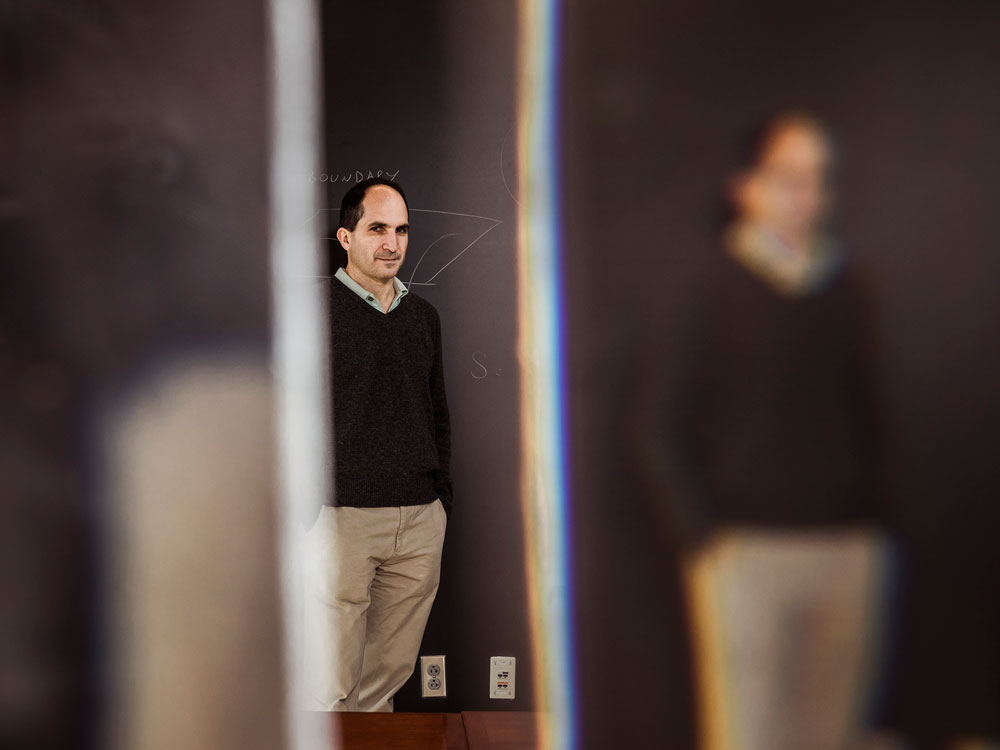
(299, 328)
(544, 491)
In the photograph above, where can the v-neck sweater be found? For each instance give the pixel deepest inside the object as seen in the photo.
(767, 412)
(392, 434)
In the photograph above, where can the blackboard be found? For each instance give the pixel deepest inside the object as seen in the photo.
(425, 94)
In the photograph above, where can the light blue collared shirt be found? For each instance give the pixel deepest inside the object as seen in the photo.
(367, 296)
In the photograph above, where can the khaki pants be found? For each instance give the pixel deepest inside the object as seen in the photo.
(371, 578)
(785, 636)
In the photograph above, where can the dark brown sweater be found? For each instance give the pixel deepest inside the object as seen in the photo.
(392, 436)
(765, 413)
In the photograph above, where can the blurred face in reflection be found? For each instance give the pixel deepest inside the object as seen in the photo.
(788, 190)
(376, 247)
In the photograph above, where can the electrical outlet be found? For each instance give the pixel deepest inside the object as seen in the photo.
(502, 673)
(432, 681)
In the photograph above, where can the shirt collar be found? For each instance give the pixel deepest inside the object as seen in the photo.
(397, 285)
(769, 257)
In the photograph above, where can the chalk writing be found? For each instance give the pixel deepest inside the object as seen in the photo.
(480, 366)
(481, 371)
(356, 175)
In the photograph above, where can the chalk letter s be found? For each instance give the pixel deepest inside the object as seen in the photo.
(480, 365)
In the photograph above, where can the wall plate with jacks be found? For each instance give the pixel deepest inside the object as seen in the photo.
(502, 673)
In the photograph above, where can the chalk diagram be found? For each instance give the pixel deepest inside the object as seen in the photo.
(506, 156)
(422, 268)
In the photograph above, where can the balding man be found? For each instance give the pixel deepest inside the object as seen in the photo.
(377, 549)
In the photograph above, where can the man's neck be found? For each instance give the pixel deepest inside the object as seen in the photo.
(383, 289)
(792, 266)
(797, 244)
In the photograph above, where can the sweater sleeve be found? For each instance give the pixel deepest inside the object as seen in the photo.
(442, 421)
(869, 389)
(666, 400)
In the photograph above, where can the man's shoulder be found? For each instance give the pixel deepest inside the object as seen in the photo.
(420, 305)
(336, 286)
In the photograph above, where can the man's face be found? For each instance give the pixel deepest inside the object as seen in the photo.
(789, 191)
(377, 246)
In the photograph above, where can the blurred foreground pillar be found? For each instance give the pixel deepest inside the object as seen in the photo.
(139, 597)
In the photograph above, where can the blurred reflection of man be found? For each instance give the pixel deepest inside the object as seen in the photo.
(376, 552)
(763, 449)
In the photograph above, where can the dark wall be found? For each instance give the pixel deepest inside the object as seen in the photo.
(425, 93)
(656, 96)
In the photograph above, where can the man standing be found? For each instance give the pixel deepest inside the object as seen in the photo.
(762, 448)
(376, 552)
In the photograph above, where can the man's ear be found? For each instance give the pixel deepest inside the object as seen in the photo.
(345, 238)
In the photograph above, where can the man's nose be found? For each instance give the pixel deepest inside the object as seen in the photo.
(391, 242)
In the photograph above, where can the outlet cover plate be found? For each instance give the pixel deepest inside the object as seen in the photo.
(432, 677)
